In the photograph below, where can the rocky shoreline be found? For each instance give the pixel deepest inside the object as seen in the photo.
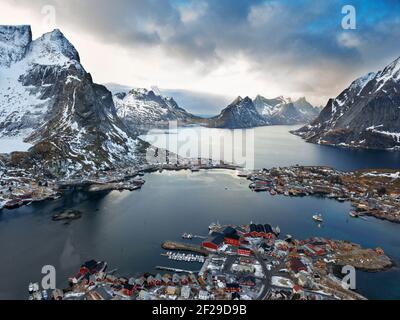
(373, 193)
(250, 262)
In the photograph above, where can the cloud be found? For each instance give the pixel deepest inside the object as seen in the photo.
(348, 40)
(192, 11)
(272, 47)
(262, 14)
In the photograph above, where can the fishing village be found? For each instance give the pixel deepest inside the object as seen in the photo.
(371, 192)
(250, 262)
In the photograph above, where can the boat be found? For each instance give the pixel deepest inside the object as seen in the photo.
(187, 236)
(213, 226)
(195, 169)
(243, 174)
(13, 204)
(354, 214)
(289, 238)
(34, 291)
(30, 288)
(272, 192)
(318, 218)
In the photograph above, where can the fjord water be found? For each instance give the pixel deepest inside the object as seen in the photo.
(272, 146)
(127, 228)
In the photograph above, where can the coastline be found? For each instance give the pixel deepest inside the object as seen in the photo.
(361, 188)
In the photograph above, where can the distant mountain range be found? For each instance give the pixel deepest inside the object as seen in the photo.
(365, 115)
(248, 113)
(47, 99)
(142, 109)
(197, 103)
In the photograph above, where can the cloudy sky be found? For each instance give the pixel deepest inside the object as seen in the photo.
(222, 47)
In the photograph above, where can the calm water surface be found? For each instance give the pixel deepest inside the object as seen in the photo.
(274, 146)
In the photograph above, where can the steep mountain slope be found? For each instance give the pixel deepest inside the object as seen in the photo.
(246, 113)
(307, 111)
(49, 100)
(281, 111)
(144, 109)
(240, 114)
(365, 115)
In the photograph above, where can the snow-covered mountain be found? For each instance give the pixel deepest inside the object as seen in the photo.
(284, 111)
(248, 113)
(48, 100)
(144, 109)
(365, 115)
(241, 113)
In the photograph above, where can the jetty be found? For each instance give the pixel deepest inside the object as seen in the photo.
(176, 246)
(175, 270)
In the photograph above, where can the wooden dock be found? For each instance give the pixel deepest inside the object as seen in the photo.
(176, 246)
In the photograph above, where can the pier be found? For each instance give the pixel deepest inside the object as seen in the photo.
(175, 246)
(175, 270)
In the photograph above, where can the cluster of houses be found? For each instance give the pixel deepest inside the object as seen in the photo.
(238, 238)
(369, 196)
(243, 263)
(92, 282)
(18, 188)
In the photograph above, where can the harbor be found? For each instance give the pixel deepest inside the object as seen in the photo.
(249, 262)
(138, 236)
(371, 192)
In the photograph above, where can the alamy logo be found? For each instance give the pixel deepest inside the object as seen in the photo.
(49, 280)
(349, 21)
(49, 17)
(230, 147)
(349, 280)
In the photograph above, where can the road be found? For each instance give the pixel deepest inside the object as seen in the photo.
(267, 276)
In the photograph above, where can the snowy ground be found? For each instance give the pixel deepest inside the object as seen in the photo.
(11, 144)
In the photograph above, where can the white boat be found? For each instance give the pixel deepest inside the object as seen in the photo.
(318, 218)
(187, 236)
(354, 214)
(214, 226)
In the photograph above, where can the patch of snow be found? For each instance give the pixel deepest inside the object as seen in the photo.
(394, 135)
(12, 144)
(384, 175)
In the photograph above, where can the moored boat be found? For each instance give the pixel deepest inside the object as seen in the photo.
(187, 236)
(318, 218)
(354, 214)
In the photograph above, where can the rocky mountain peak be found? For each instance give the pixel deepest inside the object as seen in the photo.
(238, 100)
(48, 101)
(52, 48)
(143, 109)
(14, 41)
(365, 115)
(391, 72)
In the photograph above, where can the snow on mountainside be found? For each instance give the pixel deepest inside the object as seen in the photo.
(284, 111)
(246, 113)
(49, 100)
(365, 115)
(144, 109)
(241, 113)
(13, 43)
